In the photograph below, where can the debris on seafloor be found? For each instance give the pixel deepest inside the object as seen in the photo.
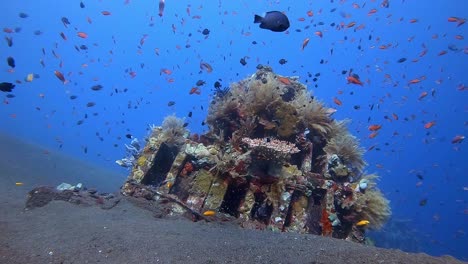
(77, 194)
(273, 158)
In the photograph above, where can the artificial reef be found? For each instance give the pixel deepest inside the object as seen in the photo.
(272, 158)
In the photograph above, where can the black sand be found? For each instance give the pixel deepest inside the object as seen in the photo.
(61, 232)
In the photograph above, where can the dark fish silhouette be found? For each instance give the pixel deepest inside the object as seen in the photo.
(6, 87)
(11, 62)
(273, 20)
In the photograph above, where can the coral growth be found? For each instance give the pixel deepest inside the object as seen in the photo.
(374, 207)
(173, 130)
(346, 147)
(271, 149)
(273, 157)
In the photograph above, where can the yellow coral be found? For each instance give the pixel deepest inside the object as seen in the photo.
(141, 161)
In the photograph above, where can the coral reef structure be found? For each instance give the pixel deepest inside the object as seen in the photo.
(273, 158)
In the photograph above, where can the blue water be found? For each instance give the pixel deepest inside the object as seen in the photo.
(43, 112)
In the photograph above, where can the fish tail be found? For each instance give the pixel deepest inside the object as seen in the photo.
(258, 19)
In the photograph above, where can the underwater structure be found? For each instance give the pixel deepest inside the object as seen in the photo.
(273, 158)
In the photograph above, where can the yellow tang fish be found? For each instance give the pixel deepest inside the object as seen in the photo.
(362, 223)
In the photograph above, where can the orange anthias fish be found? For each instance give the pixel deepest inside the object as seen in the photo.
(305, 42)
(458, 139)
(442, 53)
(337, 101)
(373, 135)
(422, 95)
(165, 71)
(460, 21)
(195, 90)
(374, 127)
(372, 11)
(82, 35)
(351, 24)
(414, 81)
(319, 33)
(284, 80)
(60, 76)
(429, 124)
(354, 80)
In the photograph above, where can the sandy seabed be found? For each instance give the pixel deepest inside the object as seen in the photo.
(61, 232)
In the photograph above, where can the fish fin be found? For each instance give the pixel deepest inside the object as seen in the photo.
(258, 19)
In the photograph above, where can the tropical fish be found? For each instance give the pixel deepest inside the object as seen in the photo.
(362, 223)
(337, 101)
(6, 87)
(429, 124)
(30, 77)
(195, 90)
(65, 22)
(82, 35)
(372, 11)
(209, 213)
(422, 95)
(206, 66)
(161, 7)
(284, 80)
(273, 20)
(165, 71)
(458, 139)
(354, 80)
(9, 41)
(304, 43)
(375, 127)
(96, 87)
(60, 76)
(11, 62)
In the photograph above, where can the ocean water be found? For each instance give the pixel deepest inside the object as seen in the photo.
(147, 64)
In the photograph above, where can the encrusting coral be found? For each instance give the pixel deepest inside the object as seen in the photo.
(273, 157)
